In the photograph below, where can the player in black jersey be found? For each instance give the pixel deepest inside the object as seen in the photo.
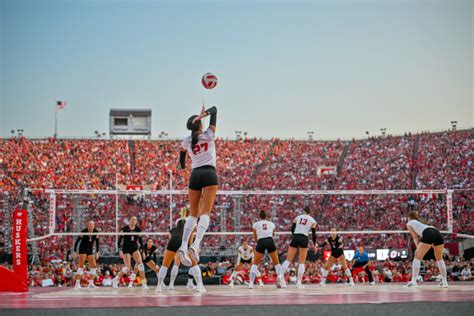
(86, 251)
(149, 256)
(337, 254)
(174, 243)
(130, 246)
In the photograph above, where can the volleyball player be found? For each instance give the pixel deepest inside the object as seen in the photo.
(245, 256)
(337, 254)
(177, 261)
(174, 243)
(425, 238)
(299, 242)
(130, 246)
(263, 232)
(149, 256)
(86, 245)
(202, 183)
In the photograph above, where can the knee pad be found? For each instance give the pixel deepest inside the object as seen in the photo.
(141, 267)
(80, 271)
(125, 270)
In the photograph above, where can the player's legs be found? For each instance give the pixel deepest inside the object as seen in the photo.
(92, 270)
(208, 198)
(167, 259)
(80, 270)
(234, 273)
(289, 258)
(325, 270)
(140, 267)
(438, 251)
(194, 198)
(420, 252)
(348, 272)
(254, 268)
(302, 253)
(278, 269)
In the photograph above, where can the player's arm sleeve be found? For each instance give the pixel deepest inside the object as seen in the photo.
(293, 227)
(212, 111)
(76, 244)
(313, 234)
(182, 159)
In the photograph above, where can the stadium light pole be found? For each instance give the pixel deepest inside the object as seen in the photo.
(384, 131)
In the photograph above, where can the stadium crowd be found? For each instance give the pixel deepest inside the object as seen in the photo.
(426, 161)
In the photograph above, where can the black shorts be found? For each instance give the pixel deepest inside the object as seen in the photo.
(243, 261)
(129, 249)
(337, 253)
(202, 177)
(174, 244)
(299, 241)
(432, 236)
(267, 244)
(86, 251)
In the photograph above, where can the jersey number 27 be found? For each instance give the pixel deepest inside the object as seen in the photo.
(197, 148)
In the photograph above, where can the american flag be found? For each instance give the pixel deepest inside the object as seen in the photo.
(61, 104)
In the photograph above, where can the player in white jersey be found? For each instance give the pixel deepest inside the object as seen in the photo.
(263, 232)
(425, 238)
(202, 183)
(299, 242)
(245, 256)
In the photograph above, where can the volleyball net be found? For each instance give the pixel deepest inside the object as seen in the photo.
(63, 213)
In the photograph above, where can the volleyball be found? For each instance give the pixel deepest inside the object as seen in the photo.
(209, 80)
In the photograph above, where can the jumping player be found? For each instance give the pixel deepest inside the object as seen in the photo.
(337, 254)
(86, 244)
(131, 249)
(245, 256)
(299, 242)
(263, 232)
(202, 183)
(425, 238)
(174, 243)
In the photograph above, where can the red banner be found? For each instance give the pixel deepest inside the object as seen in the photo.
(134, 187)
(17, 280)
(19, 255)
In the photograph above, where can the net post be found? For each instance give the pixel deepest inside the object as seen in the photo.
(171, 199)
(116, 217)
(449, 208)
(52, 212)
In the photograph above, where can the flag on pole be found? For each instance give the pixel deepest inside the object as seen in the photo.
(61, 104)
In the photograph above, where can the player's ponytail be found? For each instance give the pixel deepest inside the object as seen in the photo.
(414, 215)
(194, 128)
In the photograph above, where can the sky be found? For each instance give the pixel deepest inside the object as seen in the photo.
(338, 68)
